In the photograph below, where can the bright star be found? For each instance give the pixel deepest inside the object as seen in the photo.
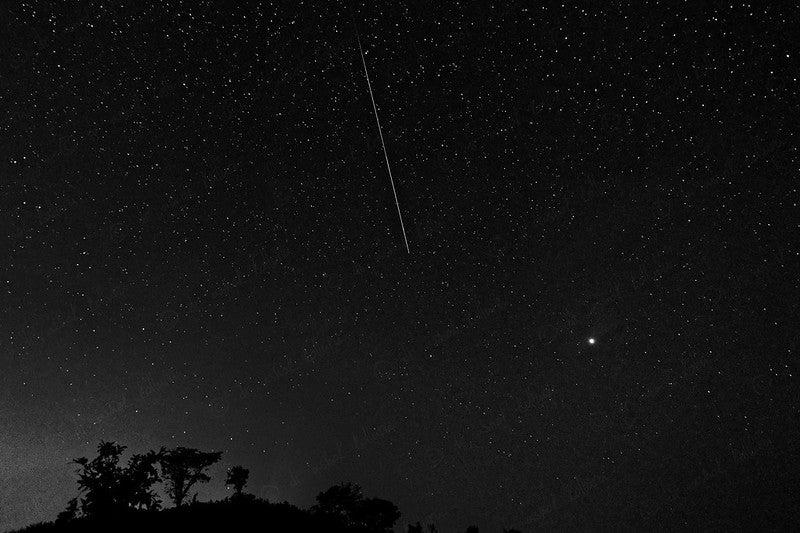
(591, 340)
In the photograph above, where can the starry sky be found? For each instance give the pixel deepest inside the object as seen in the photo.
(199, 246)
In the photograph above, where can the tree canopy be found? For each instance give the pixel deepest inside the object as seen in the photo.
(182, 468)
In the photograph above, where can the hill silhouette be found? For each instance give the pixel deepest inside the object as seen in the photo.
(244, 515)
(123, 498)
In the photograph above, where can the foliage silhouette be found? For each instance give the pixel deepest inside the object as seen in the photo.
(376, 514)
(345, 503)
(110, 489)
(182, 468)
(100, 480)
(139, 478)
(338, 501)
(68, 514)
(237, 478)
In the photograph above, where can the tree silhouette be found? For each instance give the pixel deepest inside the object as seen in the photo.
(345, 504)
(338, 501)
(237, 477)
(182, 468)
(375, 514)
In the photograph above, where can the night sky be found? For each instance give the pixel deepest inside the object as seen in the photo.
(596, 325)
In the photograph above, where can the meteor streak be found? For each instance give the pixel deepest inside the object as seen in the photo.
(380, 132)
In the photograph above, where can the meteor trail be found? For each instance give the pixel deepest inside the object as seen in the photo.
(380, 132)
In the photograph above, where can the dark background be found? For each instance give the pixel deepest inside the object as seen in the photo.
(200, 247)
